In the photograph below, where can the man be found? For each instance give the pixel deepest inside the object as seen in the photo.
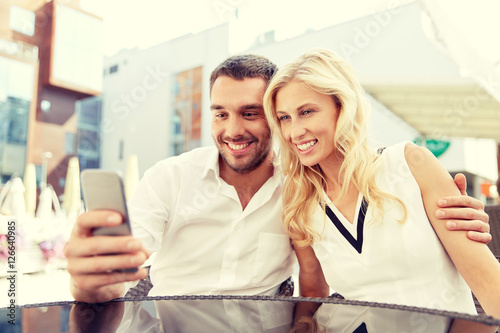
(212, 216)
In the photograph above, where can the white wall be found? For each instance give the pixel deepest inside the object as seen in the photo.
(137, 99)
(481, 158)
(386, 128)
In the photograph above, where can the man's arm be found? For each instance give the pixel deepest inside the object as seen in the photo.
(92, 260)
(464, 213)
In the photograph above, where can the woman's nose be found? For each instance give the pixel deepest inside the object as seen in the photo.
(297, 130)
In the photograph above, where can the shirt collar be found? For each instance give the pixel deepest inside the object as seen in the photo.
(213, 165)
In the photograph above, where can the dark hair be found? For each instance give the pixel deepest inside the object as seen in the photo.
(244, 66)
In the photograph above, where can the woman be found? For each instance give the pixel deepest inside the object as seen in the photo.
(358, 219)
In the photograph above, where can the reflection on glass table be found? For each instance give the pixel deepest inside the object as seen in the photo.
(216, 313)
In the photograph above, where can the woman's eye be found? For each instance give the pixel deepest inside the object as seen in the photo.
(282, 118)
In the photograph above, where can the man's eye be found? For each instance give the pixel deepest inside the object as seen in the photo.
(249, 114)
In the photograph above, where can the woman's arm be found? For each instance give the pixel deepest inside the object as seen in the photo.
(312, 283)
(474, 260)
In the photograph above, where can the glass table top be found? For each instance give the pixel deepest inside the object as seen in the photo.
(235, 314)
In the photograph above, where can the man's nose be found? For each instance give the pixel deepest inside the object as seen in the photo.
(234, 127)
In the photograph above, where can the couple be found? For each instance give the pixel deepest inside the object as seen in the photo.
(213, 216)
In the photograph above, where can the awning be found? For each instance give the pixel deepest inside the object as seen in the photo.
(439, 111)
(468, 33)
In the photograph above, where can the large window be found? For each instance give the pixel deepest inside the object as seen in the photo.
(77, 50)
(17, 120)
(16, 91)
(186, 116)
(89, 132)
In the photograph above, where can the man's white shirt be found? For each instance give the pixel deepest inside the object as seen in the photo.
(204, 243)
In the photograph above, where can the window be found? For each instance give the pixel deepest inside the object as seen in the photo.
(113, 69)
(120, 150)
(16, 91)
(76, 57)
(186, 117)
(22, 20)
(90, 112)
(17, 131)
(69, 145)
(88, 141)
(89, 132)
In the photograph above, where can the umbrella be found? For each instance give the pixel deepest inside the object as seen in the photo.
(13, 199)
(72, 198)
(44, 210)
(3, 197)
(131, 176)
(46, 201)
(30, 189)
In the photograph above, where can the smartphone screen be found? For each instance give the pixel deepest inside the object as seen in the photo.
(104, 190)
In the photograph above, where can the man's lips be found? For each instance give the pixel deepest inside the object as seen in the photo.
(238, 146)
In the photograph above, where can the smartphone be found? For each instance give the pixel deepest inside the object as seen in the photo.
(103, 189)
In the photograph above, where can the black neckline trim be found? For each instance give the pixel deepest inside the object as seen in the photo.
(361, 329)
(356, 243)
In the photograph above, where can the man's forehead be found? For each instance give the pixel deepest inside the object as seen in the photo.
(248, 90)
(227, 81)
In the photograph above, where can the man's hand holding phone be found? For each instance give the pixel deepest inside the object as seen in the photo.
(101, 252)
(94, 261)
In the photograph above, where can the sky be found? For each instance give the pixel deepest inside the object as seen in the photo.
(142, 24)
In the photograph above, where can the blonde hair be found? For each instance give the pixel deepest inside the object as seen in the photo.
(327, 73)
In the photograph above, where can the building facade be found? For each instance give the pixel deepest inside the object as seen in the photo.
(60, 98)
(50, 60)
(151, 107)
